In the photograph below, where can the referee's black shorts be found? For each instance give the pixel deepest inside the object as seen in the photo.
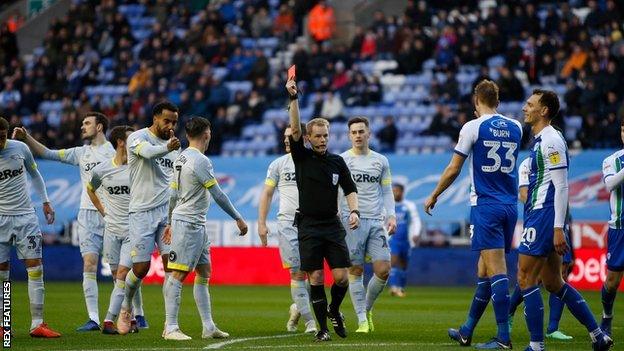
(322, 239)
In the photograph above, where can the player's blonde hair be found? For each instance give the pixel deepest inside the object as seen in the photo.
(321, 122)
(487, 92)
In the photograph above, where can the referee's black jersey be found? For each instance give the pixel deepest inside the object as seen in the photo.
(318, 177)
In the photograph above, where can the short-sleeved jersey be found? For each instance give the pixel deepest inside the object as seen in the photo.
(86, 157)
(610, 166)
(370, 173)
(149, 178)
(281, 174)
(491, 143)
(549, 152)
(15, 158)
(523, 172)
(115, 183)
(193, 175)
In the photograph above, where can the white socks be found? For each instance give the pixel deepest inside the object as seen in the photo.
(173, 295)
(116, 299)
(202, 300)
(90, 289)
(132, 285)
(36, 293)
(301, 298)
(358, 297)
(375, 287)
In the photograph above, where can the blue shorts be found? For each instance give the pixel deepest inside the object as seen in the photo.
(399, 247)
(538, 233)
(492, 226)
(615, 250)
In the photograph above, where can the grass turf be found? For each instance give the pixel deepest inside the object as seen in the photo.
(417, 322)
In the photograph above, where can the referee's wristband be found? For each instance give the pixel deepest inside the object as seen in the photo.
(293, 97)
(356, 212)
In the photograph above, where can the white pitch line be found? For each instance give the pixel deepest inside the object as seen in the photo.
(332, 345)
(235, 341)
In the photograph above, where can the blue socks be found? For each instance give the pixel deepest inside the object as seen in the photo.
(534, 313)
(515, 300)
(500, 301)
(577, 306)
(479, 303)
(607, 302)
(556, 309)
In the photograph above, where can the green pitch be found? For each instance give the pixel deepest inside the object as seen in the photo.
(259, 314)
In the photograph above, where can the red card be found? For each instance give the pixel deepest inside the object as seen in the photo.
(291, 72)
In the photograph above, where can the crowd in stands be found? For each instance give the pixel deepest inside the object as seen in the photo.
(190, 52)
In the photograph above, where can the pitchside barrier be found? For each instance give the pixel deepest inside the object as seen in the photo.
(242, 260)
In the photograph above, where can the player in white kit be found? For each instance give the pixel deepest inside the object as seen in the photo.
(19, 225)
(371, 173)
(151, 152)
(281, 175)
(90, 222)
(113, 177)
(193, 185)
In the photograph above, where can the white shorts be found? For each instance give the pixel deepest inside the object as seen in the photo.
(146, 229)
(21, 231)
(288, 242)
(117, 250)
(190, 246)
(90, 231)
(369, 242)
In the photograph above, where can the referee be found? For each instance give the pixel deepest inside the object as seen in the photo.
(321, 234)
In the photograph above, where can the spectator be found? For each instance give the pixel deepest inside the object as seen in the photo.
(284, 24)
(388, 136)
(510, 87)
(8, 45)
(332, 109)
(261, 24)
(10, 97)
(322, 22)
(575, 62)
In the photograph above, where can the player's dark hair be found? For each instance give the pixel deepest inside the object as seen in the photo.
(549, 99)
(400, 186)
(355, 120)
(302, 126)
(119, 134)
(100, 118)
(4, 124)
(163, 105)
(196, 126)
(487, 92)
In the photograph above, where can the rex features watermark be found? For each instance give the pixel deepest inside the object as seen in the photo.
(6, 314)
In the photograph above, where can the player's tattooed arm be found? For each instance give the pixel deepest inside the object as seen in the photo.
(293, 109)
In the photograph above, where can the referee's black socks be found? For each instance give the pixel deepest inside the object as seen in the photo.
(319, 304)
(337, 293)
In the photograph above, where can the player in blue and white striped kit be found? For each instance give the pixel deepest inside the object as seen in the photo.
(543, 238)
(408, 229)
(613, 173)
(490, 143)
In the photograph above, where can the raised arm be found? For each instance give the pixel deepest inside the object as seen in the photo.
(293, 109)
(144, 149)
(37, 148)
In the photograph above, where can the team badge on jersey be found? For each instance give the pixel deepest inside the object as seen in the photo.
(172, 256)
(334, 178)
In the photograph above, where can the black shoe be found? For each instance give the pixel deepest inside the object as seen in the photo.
(337, 320)
(322, 335)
